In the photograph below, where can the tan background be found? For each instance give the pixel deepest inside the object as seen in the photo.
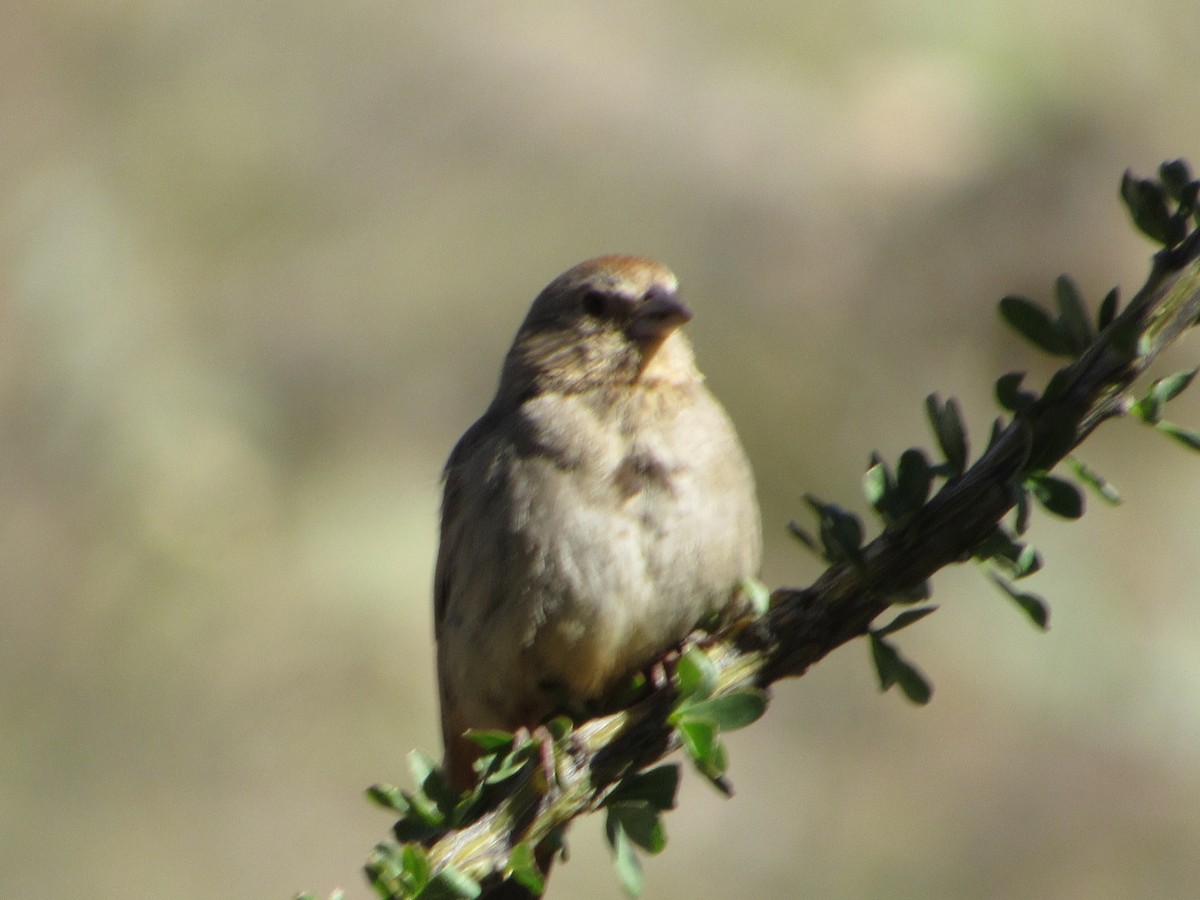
(260, 262)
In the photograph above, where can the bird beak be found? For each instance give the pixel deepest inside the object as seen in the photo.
(659, 313)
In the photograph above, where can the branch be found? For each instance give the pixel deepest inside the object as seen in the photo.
(453, 845)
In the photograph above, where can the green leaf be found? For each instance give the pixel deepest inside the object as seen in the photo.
(1021, 514)
(625, 860)
(451, 884)
(1034, 324)
(696, 674)
(1189, 437)
(906, 618)
(415, 828)
(913, 481)
(698, 738)
(1147, 204)
(1009, 394)
(1027, 562)
(915, 685)
(877, 485)
(1148, 409)
(841, 531)
(946, 420)
(1188, 198)
(1172, 386)
(886, 660)
(1033, 605)
(641, 822)
(508, 766)
(730, 712)
(714, 770)
(415, 866)
(1176, 177)
(1108, 309)
(757, 595)
(1057, 495)
(898, 499)
(388, 796)
(1001, 548)
(421, 765)
(1094, 480)
(423, 809)
(894, 669)
(1073, 323)
(431, 779)
(386, 871)
(656, 786)
(522, 864)
(997, 544)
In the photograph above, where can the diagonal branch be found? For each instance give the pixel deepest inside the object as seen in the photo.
(804, 625)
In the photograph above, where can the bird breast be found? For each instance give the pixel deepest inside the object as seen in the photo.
(634, 529)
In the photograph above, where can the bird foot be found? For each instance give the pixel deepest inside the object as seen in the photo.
(543, 740)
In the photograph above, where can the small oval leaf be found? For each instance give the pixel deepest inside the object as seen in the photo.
(877, 483)
(696, 674)
(1034, 324)
(524, 870)
(1009, 394)
(757, 594)
(1189, 437)
(906, 618)
(625, 860)
(730, 712)
(1057, 496)
(946, 421)
(1172, 386)
(1073, 323)
(1094, 480)
(1032, 605)
(913, 482)
(451, 884)
(656, 786)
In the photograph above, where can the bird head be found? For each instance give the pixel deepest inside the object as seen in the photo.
(610, 321)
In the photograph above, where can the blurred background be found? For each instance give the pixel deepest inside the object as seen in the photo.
(260, 264)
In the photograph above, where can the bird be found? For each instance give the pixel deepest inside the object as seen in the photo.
(599, 509)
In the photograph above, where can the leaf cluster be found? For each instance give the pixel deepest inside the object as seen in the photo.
(1164, 209)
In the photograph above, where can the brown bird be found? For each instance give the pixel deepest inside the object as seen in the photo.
(598, 510)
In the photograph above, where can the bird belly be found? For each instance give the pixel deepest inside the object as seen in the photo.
(617, 582)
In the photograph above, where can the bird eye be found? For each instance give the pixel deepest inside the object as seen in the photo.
(595, 303)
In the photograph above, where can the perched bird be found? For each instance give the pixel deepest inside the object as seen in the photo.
(598, 510)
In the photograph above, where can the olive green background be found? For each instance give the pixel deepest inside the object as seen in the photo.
(259, 264)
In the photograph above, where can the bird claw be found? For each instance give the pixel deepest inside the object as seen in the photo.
(660, 672)
(543, 740)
